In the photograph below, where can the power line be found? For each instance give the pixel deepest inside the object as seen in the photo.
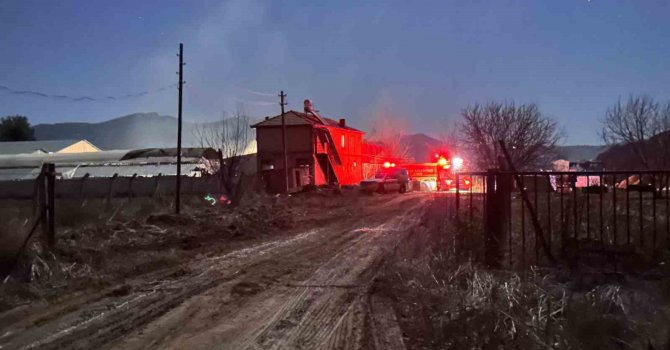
(264, 94)
(39, 94)
(255, 103)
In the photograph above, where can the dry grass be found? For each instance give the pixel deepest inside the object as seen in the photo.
(101, 243)
(447, 300)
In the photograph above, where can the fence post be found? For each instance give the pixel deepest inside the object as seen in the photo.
(81, 185)
(42, 199)
(157, 186)
(51, 192)
(495, 219)
(130, 186)
(47, 182)
(111, 187)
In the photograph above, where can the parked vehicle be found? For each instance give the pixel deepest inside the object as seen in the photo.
(387, 180)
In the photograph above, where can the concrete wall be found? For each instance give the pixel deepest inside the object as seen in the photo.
(114, 187)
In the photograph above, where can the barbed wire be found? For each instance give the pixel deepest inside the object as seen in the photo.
(39, 94)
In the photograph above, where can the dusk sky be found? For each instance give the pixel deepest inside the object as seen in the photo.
(422, 61)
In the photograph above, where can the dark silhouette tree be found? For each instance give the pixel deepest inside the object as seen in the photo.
(16, 128)
(530, 137)
(640, 124)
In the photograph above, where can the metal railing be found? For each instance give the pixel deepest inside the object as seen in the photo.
(610, 219)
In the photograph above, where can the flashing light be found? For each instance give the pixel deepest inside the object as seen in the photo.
(392, 165)
(448, 182)
(437, 155)
(387, 164)
(467, 182)
(458, 163)
(442, 162)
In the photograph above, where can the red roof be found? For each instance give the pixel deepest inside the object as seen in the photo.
(300, 118)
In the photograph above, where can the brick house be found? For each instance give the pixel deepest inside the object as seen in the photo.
(320, 151)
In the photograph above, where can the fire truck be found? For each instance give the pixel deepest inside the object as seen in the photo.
(441, 174)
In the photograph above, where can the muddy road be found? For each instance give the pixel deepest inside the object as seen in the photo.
(309, 290)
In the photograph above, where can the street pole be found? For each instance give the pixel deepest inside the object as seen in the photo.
(181, 88)
(282, 103)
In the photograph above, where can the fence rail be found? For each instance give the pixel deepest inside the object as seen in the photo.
(111, 187)
(46, 189)
(610, 219)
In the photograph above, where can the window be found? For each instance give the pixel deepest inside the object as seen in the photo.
(342, 140)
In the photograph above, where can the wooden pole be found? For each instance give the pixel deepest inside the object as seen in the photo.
(282, 103)
(179, 106)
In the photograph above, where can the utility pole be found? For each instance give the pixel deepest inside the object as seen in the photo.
(282, 103)
(181, 88)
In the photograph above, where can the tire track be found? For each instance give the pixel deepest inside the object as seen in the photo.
(322, 310)
(326, 317)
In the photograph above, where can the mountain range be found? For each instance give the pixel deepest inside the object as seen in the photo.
(134, 131)
(147, 130)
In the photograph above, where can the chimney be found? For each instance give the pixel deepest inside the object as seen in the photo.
(343, 122)
(308, 106)
(267, 118)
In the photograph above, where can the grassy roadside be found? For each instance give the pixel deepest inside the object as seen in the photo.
(444, 300)
(104, 244)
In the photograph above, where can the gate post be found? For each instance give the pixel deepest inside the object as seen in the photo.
(47, 182)
(494, 223)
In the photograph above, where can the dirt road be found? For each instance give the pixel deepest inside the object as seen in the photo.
(306, 291)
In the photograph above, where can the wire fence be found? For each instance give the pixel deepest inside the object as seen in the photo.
(37, 208)
(609, 219)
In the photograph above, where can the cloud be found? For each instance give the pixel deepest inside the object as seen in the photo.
(233, 48)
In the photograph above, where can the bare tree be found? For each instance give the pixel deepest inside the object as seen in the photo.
(389, 131)
(637, 124)
(530, 137)
(232, 138)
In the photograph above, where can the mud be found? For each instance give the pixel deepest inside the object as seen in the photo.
(306, 288)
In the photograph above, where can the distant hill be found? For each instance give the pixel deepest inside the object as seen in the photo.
(139, 130)
(420, 146)
(579, 152)
(623, 157)
(147, 130)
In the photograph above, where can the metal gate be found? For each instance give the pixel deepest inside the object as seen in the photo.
(608, 219)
